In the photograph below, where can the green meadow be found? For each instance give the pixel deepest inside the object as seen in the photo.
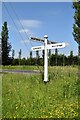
(27, 96)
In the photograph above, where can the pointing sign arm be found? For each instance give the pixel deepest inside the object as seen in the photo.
(57, 45)
(37, 48)
(41, 40)
(37, 39)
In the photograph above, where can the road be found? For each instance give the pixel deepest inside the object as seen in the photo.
(20, 71)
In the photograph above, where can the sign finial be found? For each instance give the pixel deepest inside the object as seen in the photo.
(45, 36)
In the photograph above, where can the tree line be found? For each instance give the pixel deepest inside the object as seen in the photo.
(54, 59)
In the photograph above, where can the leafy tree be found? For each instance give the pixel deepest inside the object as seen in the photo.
(56, 55)
(56, 52)
(20, 52)
(13, 53)
(16, 62)
(37, 54)
(63, 60)
(71, 54)
(52, 60)
(43, 52)
(23, 61)
(76, 25)
(37, 57)
(6, 47)
(30, 54)
(30, 57)
(75, 60)
(49, 54)
(71, 58)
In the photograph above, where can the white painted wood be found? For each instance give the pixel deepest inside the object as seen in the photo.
(47, 45)
(57, 45)
(45, 59)
(37, 48)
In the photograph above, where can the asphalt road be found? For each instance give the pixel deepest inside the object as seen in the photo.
(20, 71)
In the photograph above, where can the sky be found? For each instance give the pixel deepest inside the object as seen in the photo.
(25, 19)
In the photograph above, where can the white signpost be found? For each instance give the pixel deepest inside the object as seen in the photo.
(47, 45)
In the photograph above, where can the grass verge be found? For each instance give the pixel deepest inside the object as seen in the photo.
(26, 96)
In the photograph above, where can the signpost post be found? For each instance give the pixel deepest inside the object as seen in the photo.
(47, 45)
(45, 59)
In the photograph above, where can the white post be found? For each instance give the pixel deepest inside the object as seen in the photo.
(45, 59)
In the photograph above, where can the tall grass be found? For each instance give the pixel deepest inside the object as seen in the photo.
(27, 96)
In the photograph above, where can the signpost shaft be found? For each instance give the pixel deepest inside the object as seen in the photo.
(45, 59)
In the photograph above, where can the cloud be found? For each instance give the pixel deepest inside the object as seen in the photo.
(25, 41)
(30, 23)
(24, 30)
(28, 32)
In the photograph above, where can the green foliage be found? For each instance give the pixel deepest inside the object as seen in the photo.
(76, 25)
(59, 60)
(30, 54)
(37, 54)
(49, 54)
(13, 53)
(20, 52)
(56, 52)
(26, 96)
(6, 47)
(30, 60)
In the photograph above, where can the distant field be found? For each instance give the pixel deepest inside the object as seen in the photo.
(22, 67)
(27, 96)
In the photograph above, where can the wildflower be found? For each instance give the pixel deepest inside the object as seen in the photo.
(16, 107)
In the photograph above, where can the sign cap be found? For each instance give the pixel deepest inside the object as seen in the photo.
(45, 36)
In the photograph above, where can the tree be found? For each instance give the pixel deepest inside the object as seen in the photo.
(30, 57)
(71, 58)
(6, 46)
(56, 55)
(37, 54)
(20, 52)
(71, 54)
(13, 53)
(49, 54)
(30, 54)
(37, 57)
(52, 60)
(43, 52)
(15, 62)
(76, 25)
